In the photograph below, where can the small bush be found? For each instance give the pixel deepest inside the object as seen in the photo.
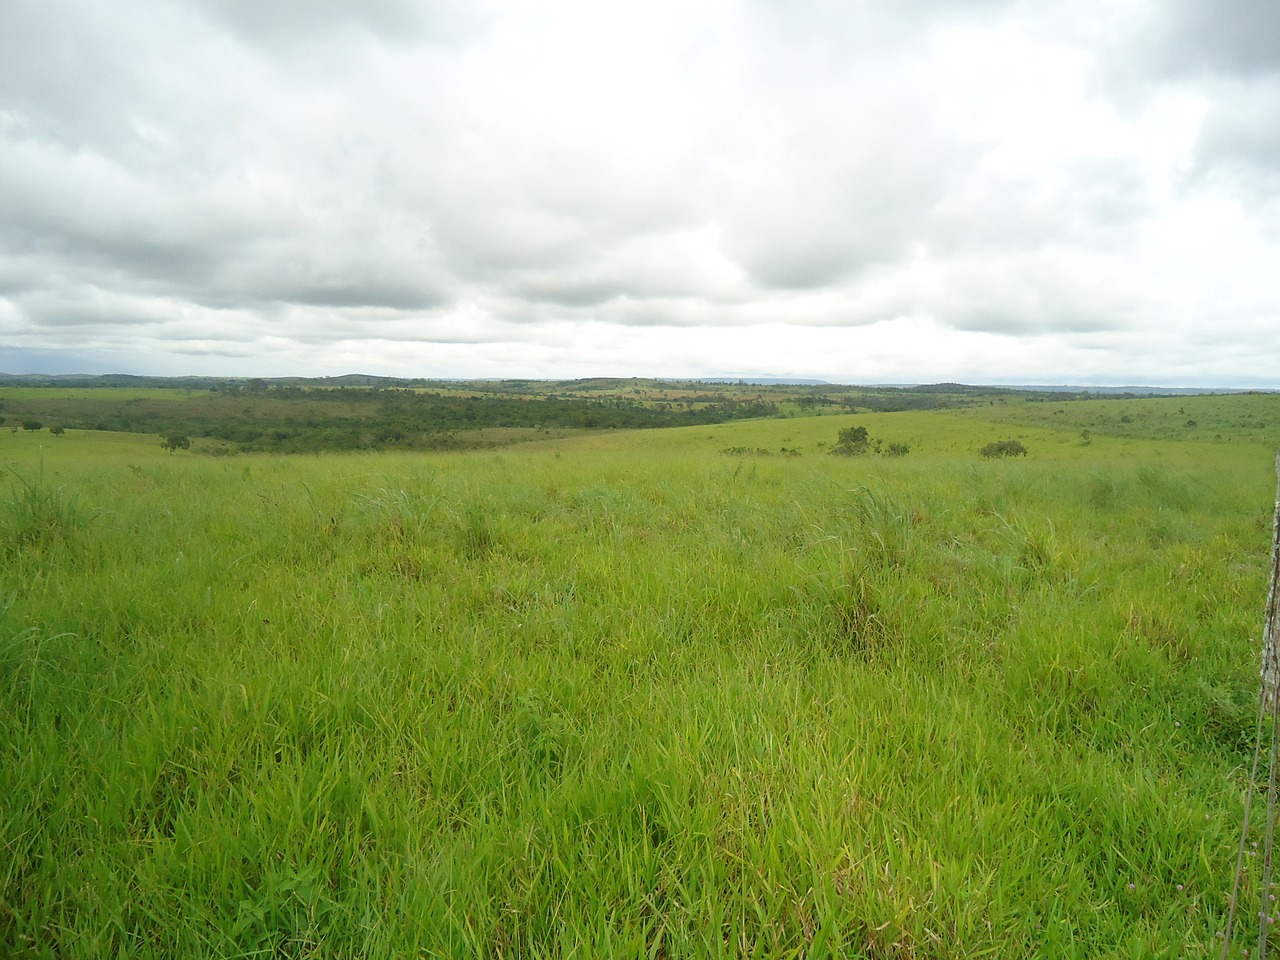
(852, 441)
(1003, 448)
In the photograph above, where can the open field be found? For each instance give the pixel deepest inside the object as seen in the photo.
(310, 416)
(619, 693)
(1247, 418)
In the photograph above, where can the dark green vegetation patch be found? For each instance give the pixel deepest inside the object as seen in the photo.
(298, 416)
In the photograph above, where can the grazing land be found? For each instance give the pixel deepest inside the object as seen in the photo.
(299, 416)
(689, 692)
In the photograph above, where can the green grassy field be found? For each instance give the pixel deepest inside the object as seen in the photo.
(1230, 418)
(623, 694)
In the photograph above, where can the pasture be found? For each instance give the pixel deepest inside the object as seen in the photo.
(623, 694)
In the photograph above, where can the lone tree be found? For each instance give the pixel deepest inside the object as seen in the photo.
(31, 424)
(852, 441)
(1003, 448)
(176, 441)
(57, 430)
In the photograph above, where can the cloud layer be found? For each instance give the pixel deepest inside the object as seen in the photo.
(987, 190)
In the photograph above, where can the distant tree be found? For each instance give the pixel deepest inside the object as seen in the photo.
(31, 425)
(57, 430)
(898, 450)
(176, 441)
(1003, 448)
(851, 442)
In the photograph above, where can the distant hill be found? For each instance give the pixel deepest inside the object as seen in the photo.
(587, 383)
(763, 381)
(1138, 391)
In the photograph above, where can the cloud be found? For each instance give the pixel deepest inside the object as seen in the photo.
(301, 28)
(1239, 143)
(554, 183)
(1232, 37)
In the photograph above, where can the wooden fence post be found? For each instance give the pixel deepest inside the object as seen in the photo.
(1271, 627)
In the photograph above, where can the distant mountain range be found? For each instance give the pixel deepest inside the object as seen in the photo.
(762, 381)
(371, 380)
(1139, 390)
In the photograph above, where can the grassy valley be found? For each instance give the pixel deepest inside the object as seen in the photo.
(308, 416)
(698, 691)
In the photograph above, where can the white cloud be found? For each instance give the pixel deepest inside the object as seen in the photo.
(878, 191)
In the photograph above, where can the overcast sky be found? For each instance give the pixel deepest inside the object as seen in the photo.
(1049, 191)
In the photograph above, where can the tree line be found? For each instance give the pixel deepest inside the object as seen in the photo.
(294, 419)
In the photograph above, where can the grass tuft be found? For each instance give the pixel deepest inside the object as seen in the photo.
(36, 513)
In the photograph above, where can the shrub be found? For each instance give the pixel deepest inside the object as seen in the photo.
(1004, 448)
(851, 442)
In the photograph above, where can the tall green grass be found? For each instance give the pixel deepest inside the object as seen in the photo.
(34, 512)
(588, 700)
